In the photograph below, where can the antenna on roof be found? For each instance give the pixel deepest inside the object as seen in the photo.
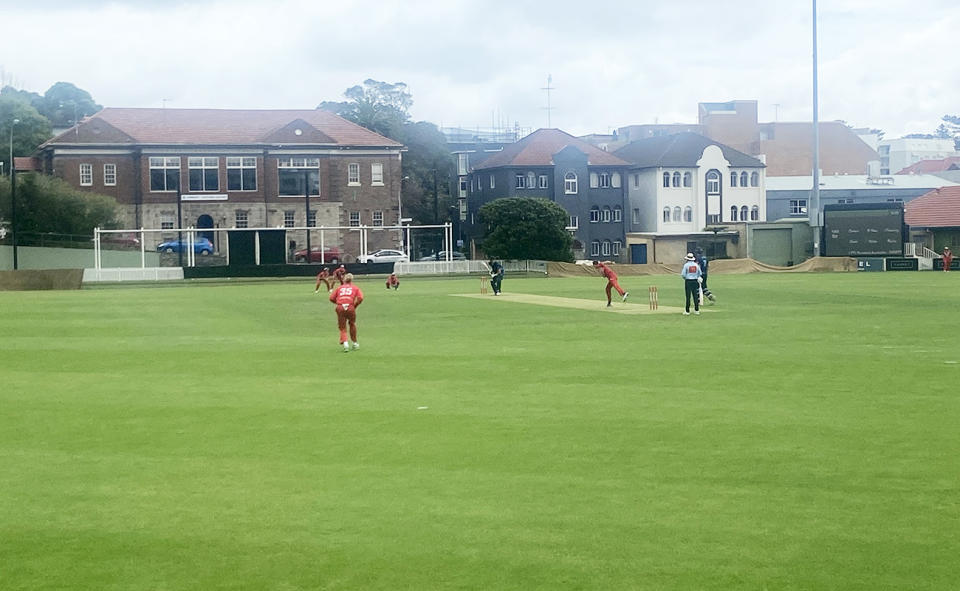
(548, 88)
(163, 103)
(776, 111)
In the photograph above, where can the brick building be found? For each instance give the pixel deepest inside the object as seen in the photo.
(233, 169)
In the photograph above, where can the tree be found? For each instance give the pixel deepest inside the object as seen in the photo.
(379, 106)
(49, 204)
(526, 228)
(32, 130)
(950, 128)
(64, 104)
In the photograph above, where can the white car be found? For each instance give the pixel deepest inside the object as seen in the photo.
(384, 255)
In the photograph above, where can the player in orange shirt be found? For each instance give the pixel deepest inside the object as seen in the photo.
(339, 273)
(393, 281)
(611, 281)
(323, 277)
(947, 258)
(346, 298)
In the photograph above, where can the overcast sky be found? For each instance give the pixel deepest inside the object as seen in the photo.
(889, 64)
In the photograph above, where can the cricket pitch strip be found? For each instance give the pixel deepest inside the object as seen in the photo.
(618, 307)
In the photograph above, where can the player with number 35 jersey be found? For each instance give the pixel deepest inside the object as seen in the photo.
(346, 298)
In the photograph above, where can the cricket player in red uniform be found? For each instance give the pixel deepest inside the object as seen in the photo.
(339, 272)
(393, 281)
(323, 277)
(611, 281)
(346, 298)
(947, 258)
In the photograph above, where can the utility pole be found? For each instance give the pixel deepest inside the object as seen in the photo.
(813, 208)
(548, 108)
(306, 204)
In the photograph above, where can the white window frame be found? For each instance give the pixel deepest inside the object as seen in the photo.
(594, 214)
(289, 218)
(798, 206)
(493, 181)
(531, 180)
(463, 163)
(617, 214)
(744, 212)
(713, 182)
(164, 163)
(687, 179)
(688, 214)
(594, 180)
(605, 248)
(574, 222)
(521, 181)
(733, 213)
(604, 180)
(241, 218)
(354, 219)
(204, 164)
(240, 164)
(109, 175)
(733, 178)
(636, 215)
(666, 214)
(666, 179)
(605, 214)
(617, 246)
(615, 180)
(744, 179)
(462, 189)
(595, 248)
(378, 218)
(543, 181)
(353, 174)
(376, 174)
(570, 184)
(755, 213)
(167, 220)
(677, 213)
(86, 175)
(676, 178)
(754, 179)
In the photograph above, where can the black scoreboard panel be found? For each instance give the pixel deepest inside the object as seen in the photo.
(863, 230)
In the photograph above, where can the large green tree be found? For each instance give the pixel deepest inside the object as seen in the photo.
(31, 129)
(526, 228)
(64, 104)
(379, 106)
(49, 204)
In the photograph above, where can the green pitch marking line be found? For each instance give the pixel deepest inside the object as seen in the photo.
(580, 304)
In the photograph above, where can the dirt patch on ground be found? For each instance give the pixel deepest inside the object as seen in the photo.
(578, 304)
(721, 266)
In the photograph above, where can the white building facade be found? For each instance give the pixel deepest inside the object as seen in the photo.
(895, 155)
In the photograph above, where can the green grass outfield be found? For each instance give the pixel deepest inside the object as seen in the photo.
(801, 434)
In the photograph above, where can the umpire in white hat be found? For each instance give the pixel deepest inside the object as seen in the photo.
(691, 283)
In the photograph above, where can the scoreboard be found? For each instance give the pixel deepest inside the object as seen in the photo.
(868, 229)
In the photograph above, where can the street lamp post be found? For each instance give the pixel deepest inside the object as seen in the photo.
(13, 197)
(306, 205)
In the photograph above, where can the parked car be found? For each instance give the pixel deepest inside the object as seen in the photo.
(201, 246)
(442, 256)
(331, 255)
(384, 255)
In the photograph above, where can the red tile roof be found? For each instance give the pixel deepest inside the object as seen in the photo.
(931, 166)
(538, 148)
(223, 126)
(939, 208)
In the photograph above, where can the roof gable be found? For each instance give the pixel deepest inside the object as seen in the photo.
(538, 149)
(680, 150)
(298, 131)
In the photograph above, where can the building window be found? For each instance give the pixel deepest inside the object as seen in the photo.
(543, 181)
(531, 180)
(204, 174)
(353, 174)
(241, 174)
(636, 181)
(291, 172)
(755, 213)
(688, 214)
(86, 175)
(574, 222)
(493, 183)
(606, 248)
(462, 164)
(463, 187)
(744, 179)
(167, 220)
(677, 213)
(594, 180)
(376, 174)
(666, 214)
(733, 213)
(594, 214)
(743, 213)
(110, 175)
(687, 179)
(570, 184)
(521, 182)
(604, 180)
(164, 173)
(615, 180)
(617, 245)
(595, 248)
(676, 179)
(713, 183)
(617, 214)
(605, 215)
(666, 179)
(354, 219)
(713, 219)
(798, 207)
(288, 219)
(733, 178)
(240, 219)
(636, 215)
(378, 218)
(755, 179)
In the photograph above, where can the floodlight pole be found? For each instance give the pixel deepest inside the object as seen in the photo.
(813, 208)
(306, 205)
(13, 198)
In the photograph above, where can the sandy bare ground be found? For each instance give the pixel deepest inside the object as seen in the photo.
(618, 307)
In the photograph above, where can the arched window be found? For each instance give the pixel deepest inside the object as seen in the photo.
(666, 214)
(606, 248)
(713, 183)
(754, 214)
(688, 214)
(755, 179)
(606, 215)
(676, 214)
(594, 214)
(687, 179)
(615, 180)
(733, 178)
(594, 180)
(531, 180)
(595, 248)
(618, 214)
(743, 213)
(676, 179)
(617, 245)
(666, 179)
(570, 183)
(733, 213)
(743, 179)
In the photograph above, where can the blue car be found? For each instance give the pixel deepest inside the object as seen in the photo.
(201, 246)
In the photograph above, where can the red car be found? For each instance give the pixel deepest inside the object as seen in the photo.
(331, 255)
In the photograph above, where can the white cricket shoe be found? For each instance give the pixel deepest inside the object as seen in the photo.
(356, 346)
(346, 347)
(625, 294)
(686, 313)
(697, 312)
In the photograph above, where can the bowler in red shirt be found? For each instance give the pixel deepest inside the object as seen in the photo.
(612, 282)
(346, 298)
